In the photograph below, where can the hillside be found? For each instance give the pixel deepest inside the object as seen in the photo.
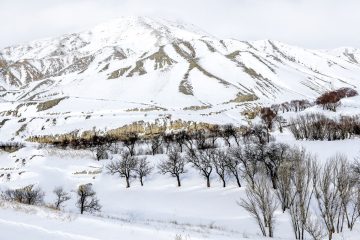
(152, 70)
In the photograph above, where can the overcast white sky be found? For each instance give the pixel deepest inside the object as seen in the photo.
(307, 23)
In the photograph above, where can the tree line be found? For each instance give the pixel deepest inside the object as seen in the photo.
(316, 126)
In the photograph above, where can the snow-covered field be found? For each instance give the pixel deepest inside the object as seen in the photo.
(158, 210)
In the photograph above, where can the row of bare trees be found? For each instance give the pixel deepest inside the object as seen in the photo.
(329, 100)
(202, 138)
(293, 106)
(237, 162)
(31, 195)
(316, 126)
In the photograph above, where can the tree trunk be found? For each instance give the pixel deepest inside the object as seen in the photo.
(330, 234)
(271, 234)
(224, 182)
(178, 180)
(82, 207)
(274, 182)
(238, 180)
(208, 181)
(141, 181)
(127, 183)
(228, 142)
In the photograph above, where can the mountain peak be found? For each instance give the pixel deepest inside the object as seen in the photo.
(138, 33)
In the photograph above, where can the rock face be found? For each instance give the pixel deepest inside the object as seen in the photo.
(103, 74)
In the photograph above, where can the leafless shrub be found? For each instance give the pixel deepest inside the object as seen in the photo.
(27, 195)
(61, 197)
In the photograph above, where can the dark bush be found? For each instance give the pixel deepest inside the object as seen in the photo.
(331, 100)
(27, 195)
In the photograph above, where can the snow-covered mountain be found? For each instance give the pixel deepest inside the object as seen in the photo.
(146, 69)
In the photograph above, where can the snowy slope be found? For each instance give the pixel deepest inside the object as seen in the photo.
(140, 68)
(158, 210)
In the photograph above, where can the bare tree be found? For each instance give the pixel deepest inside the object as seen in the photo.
(327, 194)
(203, 161)
(315, 229)
(155, 144)
(348, 192)
(260, 134)
(180, 139)
(124, 167)
(280, 121)
(168, 138)
(233, 163)
(261, 203)
(220, 163)
(214, 134)
(227, 132)
(267, 116)
(143, 169)
(174, 165)
(200, 141)
(302, 176)
(275, 155)
(247, 158)
(100, 151)
(284, 190)
(87, 201)
(33, 196)
(130, 142)
(61, 197)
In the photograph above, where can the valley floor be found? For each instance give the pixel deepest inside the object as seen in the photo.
(159, 210)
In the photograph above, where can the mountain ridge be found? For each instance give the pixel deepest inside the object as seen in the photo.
(160, 68)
